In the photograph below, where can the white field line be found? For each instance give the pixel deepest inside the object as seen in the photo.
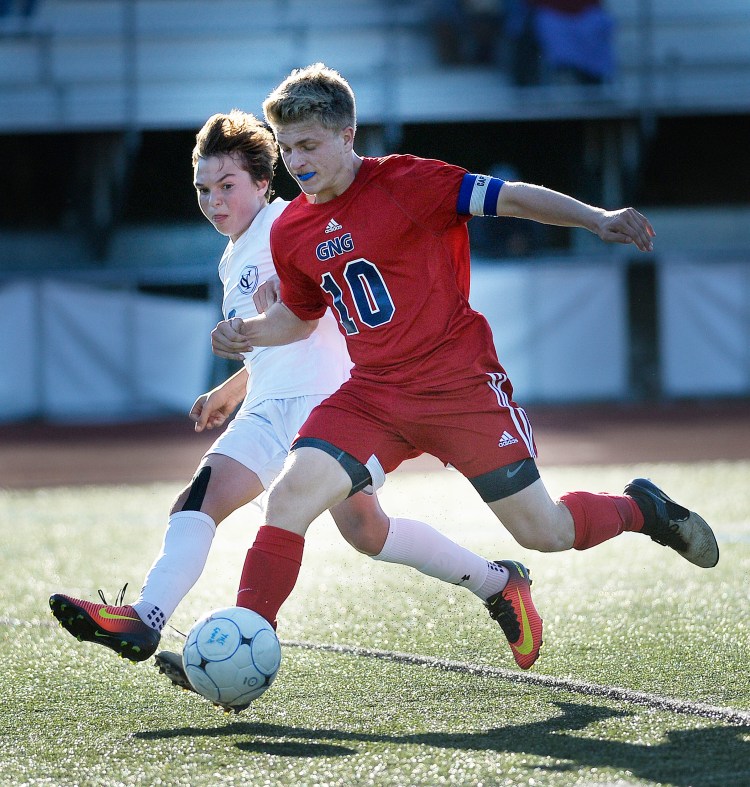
(655, 701)
(731, 715)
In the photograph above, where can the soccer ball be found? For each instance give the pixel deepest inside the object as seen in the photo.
(231, 656)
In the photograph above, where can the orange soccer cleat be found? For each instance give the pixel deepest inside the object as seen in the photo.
(514, 611)
(115, 627)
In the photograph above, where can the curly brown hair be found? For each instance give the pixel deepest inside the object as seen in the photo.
(243, 137)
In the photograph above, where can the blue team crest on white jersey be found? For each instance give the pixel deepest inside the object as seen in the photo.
(248, 282)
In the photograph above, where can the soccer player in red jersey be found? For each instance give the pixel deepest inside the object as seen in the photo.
(233, 164)
(383, 243)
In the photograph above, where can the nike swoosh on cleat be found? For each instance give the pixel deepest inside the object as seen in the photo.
(521, 570)
(110, 616)
(527, 641)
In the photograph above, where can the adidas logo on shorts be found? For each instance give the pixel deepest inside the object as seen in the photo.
(506, 439)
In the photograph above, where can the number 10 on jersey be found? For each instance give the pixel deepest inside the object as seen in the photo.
(369, 293)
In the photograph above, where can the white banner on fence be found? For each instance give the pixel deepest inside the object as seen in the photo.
(20, 348)
(85, 353)
(560, 328)
(704, 327)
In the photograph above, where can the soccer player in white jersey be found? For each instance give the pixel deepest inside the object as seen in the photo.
(233, 160)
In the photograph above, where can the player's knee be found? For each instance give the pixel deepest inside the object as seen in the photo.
(544, 540)
(293, 505)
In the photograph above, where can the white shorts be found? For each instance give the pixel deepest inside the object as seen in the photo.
(259, 436)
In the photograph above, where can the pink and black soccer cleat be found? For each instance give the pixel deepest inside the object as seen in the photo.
(514, 611)
(115, 627)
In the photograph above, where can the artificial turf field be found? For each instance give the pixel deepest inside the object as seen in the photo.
(643, 678)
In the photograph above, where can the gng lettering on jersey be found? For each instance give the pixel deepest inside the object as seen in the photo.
(478, 195)
(335, 246)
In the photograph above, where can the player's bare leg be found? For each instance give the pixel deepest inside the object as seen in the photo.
(535, 520)
(231, 486)
(220, 486)
(311, 482)
(410, 542)
(581, 520)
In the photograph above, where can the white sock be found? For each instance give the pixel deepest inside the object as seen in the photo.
(187, 542)
(420, 546)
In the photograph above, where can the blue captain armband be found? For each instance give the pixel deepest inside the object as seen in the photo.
(478, 195)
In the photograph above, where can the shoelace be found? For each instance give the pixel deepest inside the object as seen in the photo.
(501, 611)
(119, 598)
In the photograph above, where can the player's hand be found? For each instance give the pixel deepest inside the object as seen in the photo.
(228, 342)
(211, 410)
(267, 294)
(626, 226)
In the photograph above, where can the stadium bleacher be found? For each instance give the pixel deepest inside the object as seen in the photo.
(146, 63)
(122, 68)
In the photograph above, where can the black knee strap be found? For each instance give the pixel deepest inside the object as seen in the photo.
(505, 481)
(358, 473)
(198, 490)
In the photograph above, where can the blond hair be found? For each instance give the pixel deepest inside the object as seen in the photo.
(316, 93)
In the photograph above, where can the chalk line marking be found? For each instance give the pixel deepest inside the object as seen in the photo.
(655, 701)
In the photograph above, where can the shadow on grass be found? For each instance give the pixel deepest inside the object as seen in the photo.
(715, 756)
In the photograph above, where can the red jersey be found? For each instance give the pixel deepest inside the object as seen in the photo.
(390, 257)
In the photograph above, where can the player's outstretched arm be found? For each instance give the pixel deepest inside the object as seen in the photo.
(233, 338)
(527, 201)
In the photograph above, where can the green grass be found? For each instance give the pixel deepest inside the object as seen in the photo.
(628, 614)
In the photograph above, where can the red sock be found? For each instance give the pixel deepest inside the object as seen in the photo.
(597, 518)
(270, 571)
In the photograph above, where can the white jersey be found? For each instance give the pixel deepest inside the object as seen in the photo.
(316, 365)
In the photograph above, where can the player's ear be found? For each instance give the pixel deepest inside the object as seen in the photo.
(347, 136)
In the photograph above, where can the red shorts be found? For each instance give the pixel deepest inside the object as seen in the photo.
(476, 427)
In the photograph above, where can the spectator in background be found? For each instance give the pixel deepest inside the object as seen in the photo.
(466, 31)
(484, 24)
(14, 11)
(445, 23)
(523, 58)
(575, 40)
